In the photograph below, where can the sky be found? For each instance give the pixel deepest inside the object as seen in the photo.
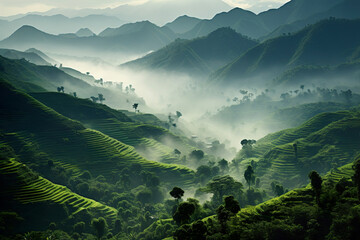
(13, 7)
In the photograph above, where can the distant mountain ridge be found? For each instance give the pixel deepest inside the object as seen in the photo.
(329, 42)
(197, 56)
(57, 24)
(143, 38)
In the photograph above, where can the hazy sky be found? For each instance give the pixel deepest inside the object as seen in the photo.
(12, 7)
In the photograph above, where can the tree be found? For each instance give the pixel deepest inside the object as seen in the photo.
(223, 215)
(101, 97)
(177, 152)
(178, 114)
(94, 99)
(183, 213)
(79, 227)
(197, 155)
(224, 165)
(99, 225)
(356, 177)
(249, 175)
(221, 186)
(295, 150)
(177, 193)
(231, 204)
(135, 106)
(316, 183)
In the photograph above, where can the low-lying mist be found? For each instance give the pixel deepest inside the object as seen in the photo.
(210, 114)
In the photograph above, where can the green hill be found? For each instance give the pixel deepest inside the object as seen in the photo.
(40, 202)
(32, 78)
(324, 142)
(69, 142)
(153, 142)
(329, 42)
(197, 56)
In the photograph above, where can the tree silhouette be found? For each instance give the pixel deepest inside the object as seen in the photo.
(231, 204)
(249, 175)
(183, 213)
(99, 225)
(135, 106)
(356, 177)
(316, 182)
(101, 97)
(177, 193)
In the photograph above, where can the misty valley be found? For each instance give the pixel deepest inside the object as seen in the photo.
(141, 122)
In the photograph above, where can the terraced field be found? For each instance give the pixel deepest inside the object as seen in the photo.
(148, 147)
(68, 142)
(324, 142)
(25, 187)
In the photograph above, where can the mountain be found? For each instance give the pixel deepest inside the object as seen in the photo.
(145, 38)
(242, 21)
(349, 9)
(84, 32)
(329, 42)
(182, 24)
(158, 12)
(143, 27)
(29, 56)
(42, 55)
(57, 24)
(295, 10)
(197, 56)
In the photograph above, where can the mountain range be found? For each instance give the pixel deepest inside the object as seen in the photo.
(199, 56)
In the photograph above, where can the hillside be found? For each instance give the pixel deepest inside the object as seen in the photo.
(29, 56)
(40, 202)
(324, 75)
(325, 141)
(349, 9)
(329, 42)
(242, 21)
(32, 78)
(69, 142)
(152, 142)
(197, 56)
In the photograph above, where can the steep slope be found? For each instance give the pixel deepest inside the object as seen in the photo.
(69, 142)
(29, 56)
(153, 142)
(325, 141)
(349, 9)
(41, 202)
(198, 56)
(242, 21)
(32, 78)
(182, 24)
(329, 42)
(324, 75)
